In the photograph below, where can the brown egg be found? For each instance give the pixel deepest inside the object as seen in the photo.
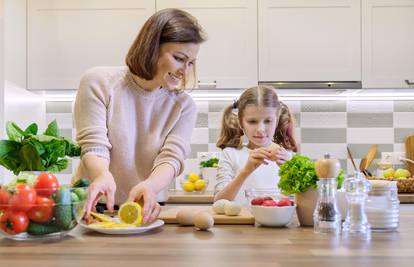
(203, 220)
(185, 216)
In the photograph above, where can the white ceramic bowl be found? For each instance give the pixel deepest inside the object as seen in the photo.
(273, 216)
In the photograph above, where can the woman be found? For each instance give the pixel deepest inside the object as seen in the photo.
(134, 123)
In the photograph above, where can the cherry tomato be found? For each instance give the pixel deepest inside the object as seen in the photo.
(14, 222)
(42, 210)
(4, 199)
(46, 184)
(24, 198)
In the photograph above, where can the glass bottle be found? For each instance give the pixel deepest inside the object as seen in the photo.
(356, 222)
(383, 206)
(326, 217)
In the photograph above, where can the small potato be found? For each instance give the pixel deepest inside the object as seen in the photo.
(203, 220)
(232, 208)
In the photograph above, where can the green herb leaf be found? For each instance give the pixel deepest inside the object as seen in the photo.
(31, 129)
(52, 129)
(213, 162)
(14, 132)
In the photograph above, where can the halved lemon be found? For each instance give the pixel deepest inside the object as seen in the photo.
(130, 213)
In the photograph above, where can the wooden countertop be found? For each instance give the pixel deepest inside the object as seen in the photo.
(224, 245)
(180, 197)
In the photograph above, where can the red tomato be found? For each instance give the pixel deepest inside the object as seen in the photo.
(42, 211)
(4, 199)
(14, 222)
(257, 201)
(46, 184)
(24, 198)
(269, 203)
(284, 202)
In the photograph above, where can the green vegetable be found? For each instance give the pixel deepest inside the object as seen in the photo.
(298, 175)
(82, 193)
(28, 151)
(213, 162)
(63, 208)
(81, 183)
(42, 229)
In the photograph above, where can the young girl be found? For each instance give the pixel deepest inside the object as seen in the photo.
(268, 126)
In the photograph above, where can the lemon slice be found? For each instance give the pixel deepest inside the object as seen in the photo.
(130, 213)
(102, 225)
(102, 217)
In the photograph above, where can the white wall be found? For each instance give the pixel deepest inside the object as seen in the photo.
(15, 41)
(1, 81)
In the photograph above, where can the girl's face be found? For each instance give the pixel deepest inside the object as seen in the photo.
(174, 63)
(259, 125)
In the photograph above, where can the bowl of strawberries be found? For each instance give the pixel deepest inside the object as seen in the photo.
(269, 207)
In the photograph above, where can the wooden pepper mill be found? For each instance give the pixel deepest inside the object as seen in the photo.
(327, 167)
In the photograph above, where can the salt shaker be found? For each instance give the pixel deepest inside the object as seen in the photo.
(326, 217)
(356, 222)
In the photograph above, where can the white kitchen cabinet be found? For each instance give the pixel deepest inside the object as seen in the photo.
(388, 43)
(228, 59)
(302, 40)
(67, 37)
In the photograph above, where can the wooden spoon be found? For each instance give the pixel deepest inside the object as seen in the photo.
(372, 152)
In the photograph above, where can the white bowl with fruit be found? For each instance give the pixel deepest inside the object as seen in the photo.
(194, 183)
(270, 208)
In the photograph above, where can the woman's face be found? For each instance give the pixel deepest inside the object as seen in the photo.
(259, 125)
(175, 61)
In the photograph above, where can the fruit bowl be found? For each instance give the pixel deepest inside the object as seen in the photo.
(269, 207)
(30, 212)
(194, 183)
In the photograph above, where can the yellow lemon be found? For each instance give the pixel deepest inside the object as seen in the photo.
(188, 187)
(102, 217)
(193, 177)
(130, 213)
(199, 185)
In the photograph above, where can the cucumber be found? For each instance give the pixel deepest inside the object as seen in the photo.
(82, 182)
(42, 229)
(63, 208)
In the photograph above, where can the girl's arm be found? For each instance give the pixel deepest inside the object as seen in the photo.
(256, 158)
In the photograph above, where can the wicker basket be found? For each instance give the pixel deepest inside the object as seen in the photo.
(403, 185)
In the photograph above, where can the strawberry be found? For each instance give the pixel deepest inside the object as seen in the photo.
(285, 202)
(257, 201)
(269, 203)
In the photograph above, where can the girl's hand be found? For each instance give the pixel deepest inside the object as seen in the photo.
(103, 185)
(146, 197)
(257, 157)
(281, 155)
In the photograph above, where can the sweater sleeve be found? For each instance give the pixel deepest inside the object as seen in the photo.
(225, 171)
(90, 114)
(176, 147)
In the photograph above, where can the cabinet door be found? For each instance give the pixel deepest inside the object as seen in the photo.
(67, 37)
(228, 59)
(388, 43)
(302, 40)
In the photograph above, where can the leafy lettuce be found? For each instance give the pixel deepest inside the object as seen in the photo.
(298, 175)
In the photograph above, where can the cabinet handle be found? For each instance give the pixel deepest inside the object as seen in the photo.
(207, 85)
(409, 83)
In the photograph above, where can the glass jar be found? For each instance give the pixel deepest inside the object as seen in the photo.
(326, 217)
(383, 206)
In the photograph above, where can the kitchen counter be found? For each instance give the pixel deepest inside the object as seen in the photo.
(180, 197)
(224, 245)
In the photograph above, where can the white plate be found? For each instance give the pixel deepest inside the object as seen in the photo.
(125, 231)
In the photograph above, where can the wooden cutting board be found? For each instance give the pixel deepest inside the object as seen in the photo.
(409, 152)
(168, 215)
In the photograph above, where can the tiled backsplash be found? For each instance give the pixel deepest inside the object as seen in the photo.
(321, 126)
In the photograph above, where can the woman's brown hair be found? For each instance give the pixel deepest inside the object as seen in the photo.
(231, 132)
(167, 25)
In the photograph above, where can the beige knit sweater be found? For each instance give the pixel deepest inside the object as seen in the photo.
(135, 129)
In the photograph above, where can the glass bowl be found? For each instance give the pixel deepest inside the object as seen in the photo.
(269, 207)
(29, 213)
(194, 183)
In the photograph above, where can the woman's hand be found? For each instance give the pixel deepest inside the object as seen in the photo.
(103, 185)
(146, 197)
(257, 157)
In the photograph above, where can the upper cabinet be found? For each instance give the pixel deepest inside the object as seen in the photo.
(388, 43)
(67, 37)
(302, 40)
(228, 59)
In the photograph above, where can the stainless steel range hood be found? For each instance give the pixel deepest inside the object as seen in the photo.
(314, 84)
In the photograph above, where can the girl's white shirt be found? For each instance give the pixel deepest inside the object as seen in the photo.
(232, 160)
